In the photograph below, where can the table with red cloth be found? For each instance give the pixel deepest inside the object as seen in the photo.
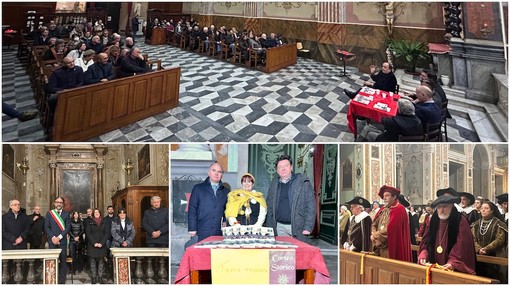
(308, 258)
(359, 109)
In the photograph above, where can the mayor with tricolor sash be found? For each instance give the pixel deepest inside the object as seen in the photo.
(57, 226)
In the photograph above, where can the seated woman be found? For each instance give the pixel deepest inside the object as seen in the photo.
(56, 50)
(246, 206)
(86, 61)
(490, 238)
(78, 51)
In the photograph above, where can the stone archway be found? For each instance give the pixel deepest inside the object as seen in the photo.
(482, 183)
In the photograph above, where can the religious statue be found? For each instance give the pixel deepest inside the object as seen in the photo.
(390, 16)
(137, 9)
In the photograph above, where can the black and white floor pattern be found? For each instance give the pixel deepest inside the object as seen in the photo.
(221, 102)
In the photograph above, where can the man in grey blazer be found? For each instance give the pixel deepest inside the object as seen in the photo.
(290, 202)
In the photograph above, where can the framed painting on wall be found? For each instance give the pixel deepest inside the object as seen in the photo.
(144, 162)
(8, 161)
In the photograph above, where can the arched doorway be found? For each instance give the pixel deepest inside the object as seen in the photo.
(481, 174)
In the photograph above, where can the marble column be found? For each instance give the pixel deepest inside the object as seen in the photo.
(100, 199)
(53, 182)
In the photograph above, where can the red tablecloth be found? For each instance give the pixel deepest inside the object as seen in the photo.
(357, 109)
(307, 257)
(435, 48)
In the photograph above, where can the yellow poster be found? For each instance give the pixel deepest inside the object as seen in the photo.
(253, 266)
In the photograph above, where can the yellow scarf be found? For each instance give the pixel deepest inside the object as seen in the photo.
(239, 198)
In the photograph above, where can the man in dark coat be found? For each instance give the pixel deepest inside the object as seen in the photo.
(155, 223)
(405, 123)
(15, 226)
(426, 109)
(290, 202)
(57, 225)
(36, 228)
(133, 64)
(207, 205)
(66, 77)
(383, 80)
(357, 236)
(100, 71)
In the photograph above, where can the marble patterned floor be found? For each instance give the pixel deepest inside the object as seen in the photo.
(221, 102)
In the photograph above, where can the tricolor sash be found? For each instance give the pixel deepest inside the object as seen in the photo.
(58, 219)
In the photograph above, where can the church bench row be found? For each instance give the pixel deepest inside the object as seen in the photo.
(480, 258)
(357, 268)
(276, 58)
(89, 111)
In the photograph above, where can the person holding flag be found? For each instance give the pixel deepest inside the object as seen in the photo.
(57, 225)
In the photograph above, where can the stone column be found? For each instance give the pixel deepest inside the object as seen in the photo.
(100, 194)
(53, 182)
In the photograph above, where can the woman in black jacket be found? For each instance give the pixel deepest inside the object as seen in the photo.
(76, 241)
(97, 233)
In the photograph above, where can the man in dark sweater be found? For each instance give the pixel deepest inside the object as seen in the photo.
(100, 71)
(426, 109)
(133, 64)
(66, 77)
(383, 80)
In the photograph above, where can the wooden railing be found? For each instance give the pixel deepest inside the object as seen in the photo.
(480, 258)
(147, 274)
(22, 274)
(280, 57)
(85, 112)
(357, 268)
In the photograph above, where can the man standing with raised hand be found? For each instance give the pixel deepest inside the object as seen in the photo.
(57, 225)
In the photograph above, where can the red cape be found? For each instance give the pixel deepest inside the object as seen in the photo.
(398, 227)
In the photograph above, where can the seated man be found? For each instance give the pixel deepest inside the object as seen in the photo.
(133, 64)
(130, 43)
(66, 77)
(100, 71)
(404, 123)
(426, 109)
(22, 116)
(96, 45)
(383, 80)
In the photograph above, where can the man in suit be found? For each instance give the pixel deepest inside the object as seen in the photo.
(57, 225)
(15, 226)
(207, 205)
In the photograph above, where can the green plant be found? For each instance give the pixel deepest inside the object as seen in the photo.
(409, 51)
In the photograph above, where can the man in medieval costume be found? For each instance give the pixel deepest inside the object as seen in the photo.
(390, 228)
(448, 240)
(357, 236)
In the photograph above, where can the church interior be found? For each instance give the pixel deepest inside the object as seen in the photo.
(220, 100)
(85, 176)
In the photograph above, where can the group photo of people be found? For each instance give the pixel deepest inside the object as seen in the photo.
(408, 83)
(83, 213)
(284, 188)
(445, 226)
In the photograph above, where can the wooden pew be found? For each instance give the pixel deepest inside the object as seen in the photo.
(280, 57)
(378, 270)
(480, 258)
(85, 112)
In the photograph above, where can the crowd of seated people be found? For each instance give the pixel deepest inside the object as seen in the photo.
(77, 56)
(190, 35)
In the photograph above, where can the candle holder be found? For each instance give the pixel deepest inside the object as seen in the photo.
(23, 167)
(128, 167)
